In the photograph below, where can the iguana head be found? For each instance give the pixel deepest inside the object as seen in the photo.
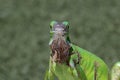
(59, 42)
(59, 29)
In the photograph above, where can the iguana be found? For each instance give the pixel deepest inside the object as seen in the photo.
(70, 62)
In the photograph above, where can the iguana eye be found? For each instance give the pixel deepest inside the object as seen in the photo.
(50, 27)
(66, 24)
(52, 24)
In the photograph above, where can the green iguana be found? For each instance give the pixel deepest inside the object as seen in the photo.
(70, 62)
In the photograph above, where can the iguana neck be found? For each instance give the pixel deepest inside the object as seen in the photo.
(60, 48)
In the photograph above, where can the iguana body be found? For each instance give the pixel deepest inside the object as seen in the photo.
(70, 62)
(93, 66)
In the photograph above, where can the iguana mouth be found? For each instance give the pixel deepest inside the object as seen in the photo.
(60, 51)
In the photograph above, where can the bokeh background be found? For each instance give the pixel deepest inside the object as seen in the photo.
(24, 33)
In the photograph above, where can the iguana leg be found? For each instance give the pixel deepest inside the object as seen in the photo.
(49, 75)
(75, 64)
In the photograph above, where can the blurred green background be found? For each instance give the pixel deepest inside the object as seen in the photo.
(24, 33)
